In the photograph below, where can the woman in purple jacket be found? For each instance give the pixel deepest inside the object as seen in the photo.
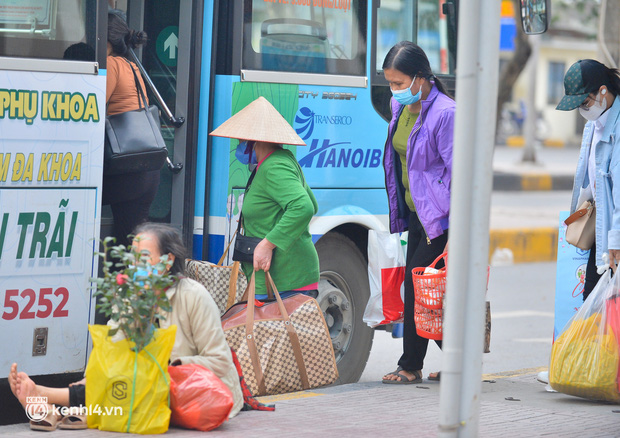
(418, 170)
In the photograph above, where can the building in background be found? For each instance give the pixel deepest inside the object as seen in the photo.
(571, 37)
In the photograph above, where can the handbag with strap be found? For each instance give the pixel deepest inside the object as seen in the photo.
(581, 226)
(245, 245)
(133, 140)
(226, 284)
(282, 345)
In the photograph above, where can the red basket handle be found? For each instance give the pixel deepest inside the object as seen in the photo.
(441, 256)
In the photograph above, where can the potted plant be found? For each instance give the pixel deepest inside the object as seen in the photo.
(131, 296)
(131, 385)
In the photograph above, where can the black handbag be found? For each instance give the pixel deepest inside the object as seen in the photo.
(245, 245)
(133, 140)
(244, 248)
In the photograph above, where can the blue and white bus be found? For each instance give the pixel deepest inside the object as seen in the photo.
(317, 61)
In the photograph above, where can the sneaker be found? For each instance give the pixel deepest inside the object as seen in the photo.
(543, 377)
(548, 388)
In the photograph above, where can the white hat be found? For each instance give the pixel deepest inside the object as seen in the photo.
(259, 121)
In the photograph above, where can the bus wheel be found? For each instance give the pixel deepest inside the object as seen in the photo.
(343, 294)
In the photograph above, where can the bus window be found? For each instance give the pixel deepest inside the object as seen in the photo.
(429, 29)
(305, 36)
(46, 29)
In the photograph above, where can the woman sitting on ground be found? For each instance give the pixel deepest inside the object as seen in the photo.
(199, 337)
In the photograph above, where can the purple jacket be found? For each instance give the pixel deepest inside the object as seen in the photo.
(429, 164)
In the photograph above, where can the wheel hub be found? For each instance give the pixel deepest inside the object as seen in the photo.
(335, 301)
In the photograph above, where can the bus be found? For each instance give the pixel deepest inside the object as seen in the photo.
(317, 61)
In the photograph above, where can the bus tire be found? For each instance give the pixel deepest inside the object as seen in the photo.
(343, 294)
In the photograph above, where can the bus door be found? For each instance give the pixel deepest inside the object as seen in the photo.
(166, 61)
(52, 109)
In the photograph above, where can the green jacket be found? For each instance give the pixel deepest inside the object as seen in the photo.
(278, 205)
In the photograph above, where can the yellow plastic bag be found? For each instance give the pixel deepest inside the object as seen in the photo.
(125, 391)
(584, 360)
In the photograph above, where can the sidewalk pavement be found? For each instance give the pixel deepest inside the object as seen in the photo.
(527, 199)
(512, 405)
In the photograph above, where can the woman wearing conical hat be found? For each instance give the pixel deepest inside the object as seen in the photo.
(278, 204)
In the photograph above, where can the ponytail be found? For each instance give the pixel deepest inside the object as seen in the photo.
(136, 38)
(121, 37)
(441, 87)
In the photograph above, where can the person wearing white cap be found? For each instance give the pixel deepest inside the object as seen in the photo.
(278, 203)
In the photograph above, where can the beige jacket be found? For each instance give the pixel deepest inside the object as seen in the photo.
(200, 338)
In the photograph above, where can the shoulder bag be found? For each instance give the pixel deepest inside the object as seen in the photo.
(581, 226)
(245, 245)
(133, 140)
(225, 283)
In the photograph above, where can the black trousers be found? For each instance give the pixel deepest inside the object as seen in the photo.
(77, 395)
(130, 196)
(592, 277)
(419, 253)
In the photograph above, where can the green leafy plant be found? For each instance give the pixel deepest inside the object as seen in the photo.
(133, 295)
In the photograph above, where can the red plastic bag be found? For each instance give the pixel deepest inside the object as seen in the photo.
(612, 309)
(386, 276)
(198, 398)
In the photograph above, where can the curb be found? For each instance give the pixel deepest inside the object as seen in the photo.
(503, 181)
(517, 141)
(528, 245)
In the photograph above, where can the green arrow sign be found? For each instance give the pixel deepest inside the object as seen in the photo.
(167, 45)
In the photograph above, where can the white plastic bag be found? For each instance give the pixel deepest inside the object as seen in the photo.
(584, 358)
(386, 275)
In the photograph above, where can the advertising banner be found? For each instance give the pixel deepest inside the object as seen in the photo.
(51, 155)
(570, 277)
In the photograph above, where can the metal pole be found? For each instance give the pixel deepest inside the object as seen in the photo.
(476, 96)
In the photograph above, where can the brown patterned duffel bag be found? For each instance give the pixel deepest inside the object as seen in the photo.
(283, 345)
(226, 284)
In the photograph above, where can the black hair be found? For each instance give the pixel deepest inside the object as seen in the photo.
(79, 52)
(121, 37)
(168, 241)
(410, 59)
(613, 81)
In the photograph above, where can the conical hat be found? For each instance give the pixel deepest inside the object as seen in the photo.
(259, 121)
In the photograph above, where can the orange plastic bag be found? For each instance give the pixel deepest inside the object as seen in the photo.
(198, 398)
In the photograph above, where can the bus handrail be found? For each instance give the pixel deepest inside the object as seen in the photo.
(176, 122)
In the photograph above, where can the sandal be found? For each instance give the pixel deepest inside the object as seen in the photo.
(436, 377)
(73, 422)
(404, 380)
(47, 423)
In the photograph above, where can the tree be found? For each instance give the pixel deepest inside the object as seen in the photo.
(513, 68)
(610, 32)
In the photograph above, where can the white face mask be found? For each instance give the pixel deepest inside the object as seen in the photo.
(593, 112)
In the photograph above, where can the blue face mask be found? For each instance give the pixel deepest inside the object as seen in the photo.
(405, 97)
(245, 153)
(144, 271)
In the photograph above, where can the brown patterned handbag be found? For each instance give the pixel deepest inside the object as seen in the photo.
(226, 284)
(283, 345)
